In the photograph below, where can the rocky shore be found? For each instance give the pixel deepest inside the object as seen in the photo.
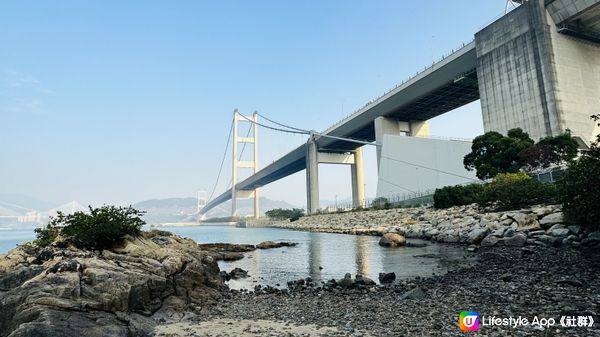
(536, 226)
(163, 285)
(546, 282)
(63, 291)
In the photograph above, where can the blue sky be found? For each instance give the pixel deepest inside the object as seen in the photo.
(121, 101)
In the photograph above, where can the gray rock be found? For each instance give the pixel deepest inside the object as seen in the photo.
(489, 241)
(413, 294)
(392, 240)
(92, 294)
(238, 273)
(551, 219)
(363, 280)
(346, 281)
(387, 277)
(556, 226)
(477, 234)
(272, 244)
(509, 232)
(594, 236)
(525, 221)
(575, 229)
(499, 232)
(518, 240)
(559, 232)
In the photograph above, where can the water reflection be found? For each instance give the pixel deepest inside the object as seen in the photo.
(362, 255)
(314, 256)
(325, 256)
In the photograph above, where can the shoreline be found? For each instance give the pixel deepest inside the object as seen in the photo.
(505, 280)
(546, 282)
(540, 225)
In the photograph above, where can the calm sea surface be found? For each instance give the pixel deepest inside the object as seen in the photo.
(318, 255)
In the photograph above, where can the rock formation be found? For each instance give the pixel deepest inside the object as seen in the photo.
(54, 291)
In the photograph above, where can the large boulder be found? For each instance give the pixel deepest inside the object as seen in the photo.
(476, 235)
(517, 240)
(551, 219)
(526, 221)
(489, 241)
(273, 244)
(392, 240)
(387, 277)
(119, 292)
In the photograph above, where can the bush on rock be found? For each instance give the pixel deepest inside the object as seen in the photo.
(102, 228)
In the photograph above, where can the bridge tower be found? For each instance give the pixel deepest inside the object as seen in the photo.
(238, 163)
(202, 199)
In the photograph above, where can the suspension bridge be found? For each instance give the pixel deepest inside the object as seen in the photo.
(522, 68)
(23, 214)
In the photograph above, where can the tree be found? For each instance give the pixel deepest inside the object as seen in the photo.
(549, 151)
(493, 153)
(579, 186)
(282, 214)
(381, 203)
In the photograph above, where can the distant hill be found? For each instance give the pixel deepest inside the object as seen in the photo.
(184, 209)
(19, 204)
(167, 203)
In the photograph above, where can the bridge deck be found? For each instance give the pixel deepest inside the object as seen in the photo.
(447, 85)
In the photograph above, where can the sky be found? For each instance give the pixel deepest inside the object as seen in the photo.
(115, 102)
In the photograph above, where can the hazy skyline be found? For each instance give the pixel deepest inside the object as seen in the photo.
(118, 102)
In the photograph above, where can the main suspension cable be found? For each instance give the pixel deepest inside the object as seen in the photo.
(222, 161)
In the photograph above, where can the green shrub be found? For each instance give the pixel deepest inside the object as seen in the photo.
(509, 191)
(380, 203)
(102, 228)
(578, 189)
(46, 236)
(456, 195)
(282, 214)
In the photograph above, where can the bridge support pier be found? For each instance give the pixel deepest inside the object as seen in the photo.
(389, 126)
(312, 176)
(358, 180)
(314, 157)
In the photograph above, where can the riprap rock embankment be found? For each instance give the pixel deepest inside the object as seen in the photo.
(539, 225)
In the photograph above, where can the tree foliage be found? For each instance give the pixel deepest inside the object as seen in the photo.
(381, 203)
(102, 228)
(282, 214)
(493, 153)
(549, 151)
(578, 190)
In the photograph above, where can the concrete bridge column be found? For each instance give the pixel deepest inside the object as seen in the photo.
(312, 176)
(389, 126)
(358, 179)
